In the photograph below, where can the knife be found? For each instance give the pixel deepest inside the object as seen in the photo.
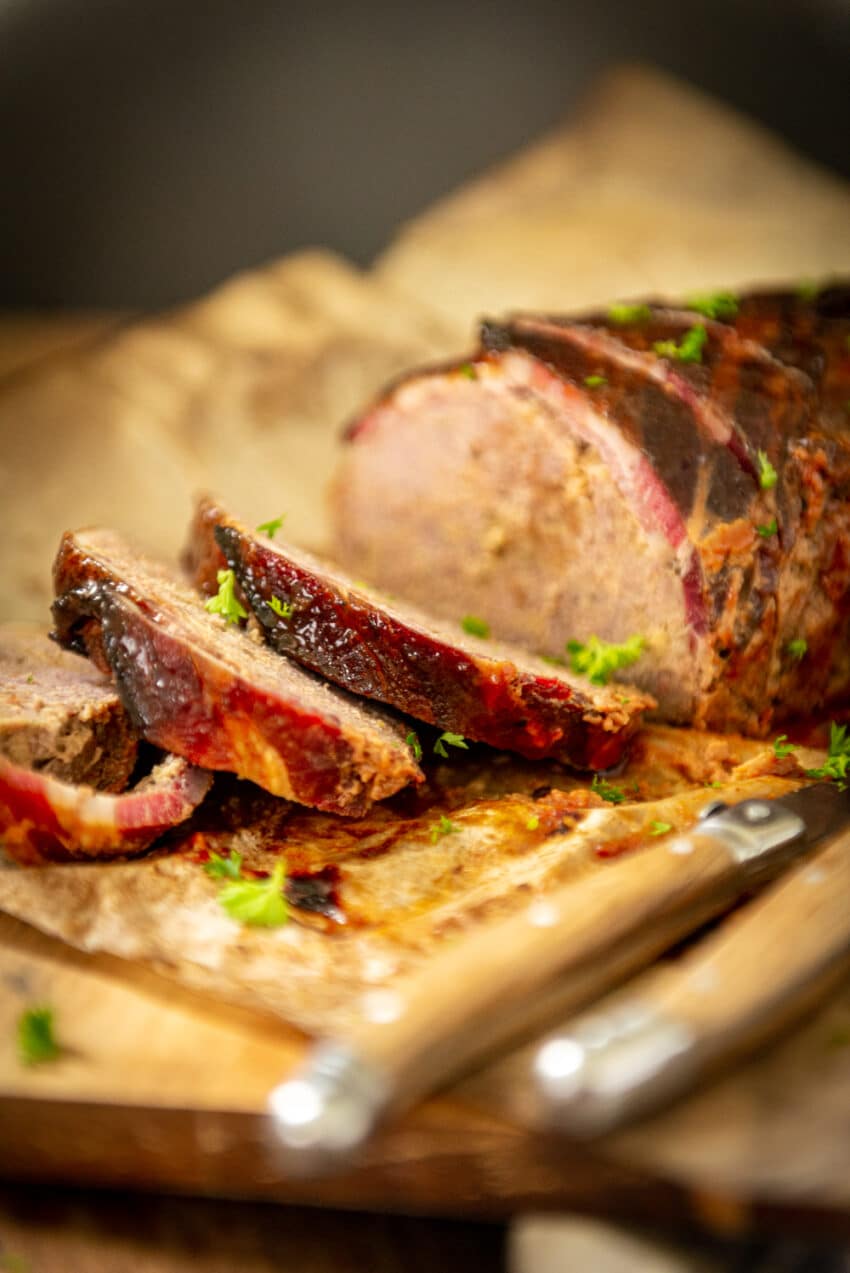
(733, 990)
(513, 976)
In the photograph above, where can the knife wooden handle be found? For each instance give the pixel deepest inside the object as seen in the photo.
(765, 966)
(513, 974)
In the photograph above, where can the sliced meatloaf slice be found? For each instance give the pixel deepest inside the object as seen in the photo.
(203, 689)
(59, 715)
(43, 819)
(647, 471)
(486, 691)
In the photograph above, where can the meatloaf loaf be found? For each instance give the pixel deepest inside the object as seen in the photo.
(678, 473)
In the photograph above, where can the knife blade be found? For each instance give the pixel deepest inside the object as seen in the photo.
(509, 977)
(765, 966)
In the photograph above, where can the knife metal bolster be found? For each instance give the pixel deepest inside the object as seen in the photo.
(611, 1064)
(754, 832)
(328, 1109)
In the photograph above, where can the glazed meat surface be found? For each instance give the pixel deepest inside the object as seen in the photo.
(205, 690)
(645, 471)
(462, 683)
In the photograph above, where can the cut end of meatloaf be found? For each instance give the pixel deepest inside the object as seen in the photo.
(480, 496)
(59, 715)
(372, 645)
(649, 470)
(206, 690)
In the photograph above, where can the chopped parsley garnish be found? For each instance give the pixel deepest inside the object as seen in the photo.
(782, 748)
(30, 679)
(271, 528)
(596, 381)
(837, 757)
(688, 349)
(614, 795)
(225, 602)
(468, 370)
(36, 1040)
(259, 903)
(224, 867)
(797, 648)
(808, 289)
(444, 827)
(840, 1037)
(659, 828)
(453, 740)
(767, 473)
(629, 313)
(11, 1263)
(474, 626)
(414, 745)
(284, 609)
(768, 530)
(533, 823)
(598, 660)
(719, 305)
(554, 659)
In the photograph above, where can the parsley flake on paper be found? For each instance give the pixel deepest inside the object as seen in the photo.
(837, 757)
(224, 867)
(36, 1039)
(258, 903)
(614, 795)
(444, 827)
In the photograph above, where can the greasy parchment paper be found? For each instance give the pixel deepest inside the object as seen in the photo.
(374, 897)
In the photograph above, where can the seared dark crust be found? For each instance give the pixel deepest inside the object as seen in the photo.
(775, 381)
(205, 691)
(398, 656)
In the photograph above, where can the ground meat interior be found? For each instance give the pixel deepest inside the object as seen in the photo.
(509, 516)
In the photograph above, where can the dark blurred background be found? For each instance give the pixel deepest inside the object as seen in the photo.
(150, 147)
